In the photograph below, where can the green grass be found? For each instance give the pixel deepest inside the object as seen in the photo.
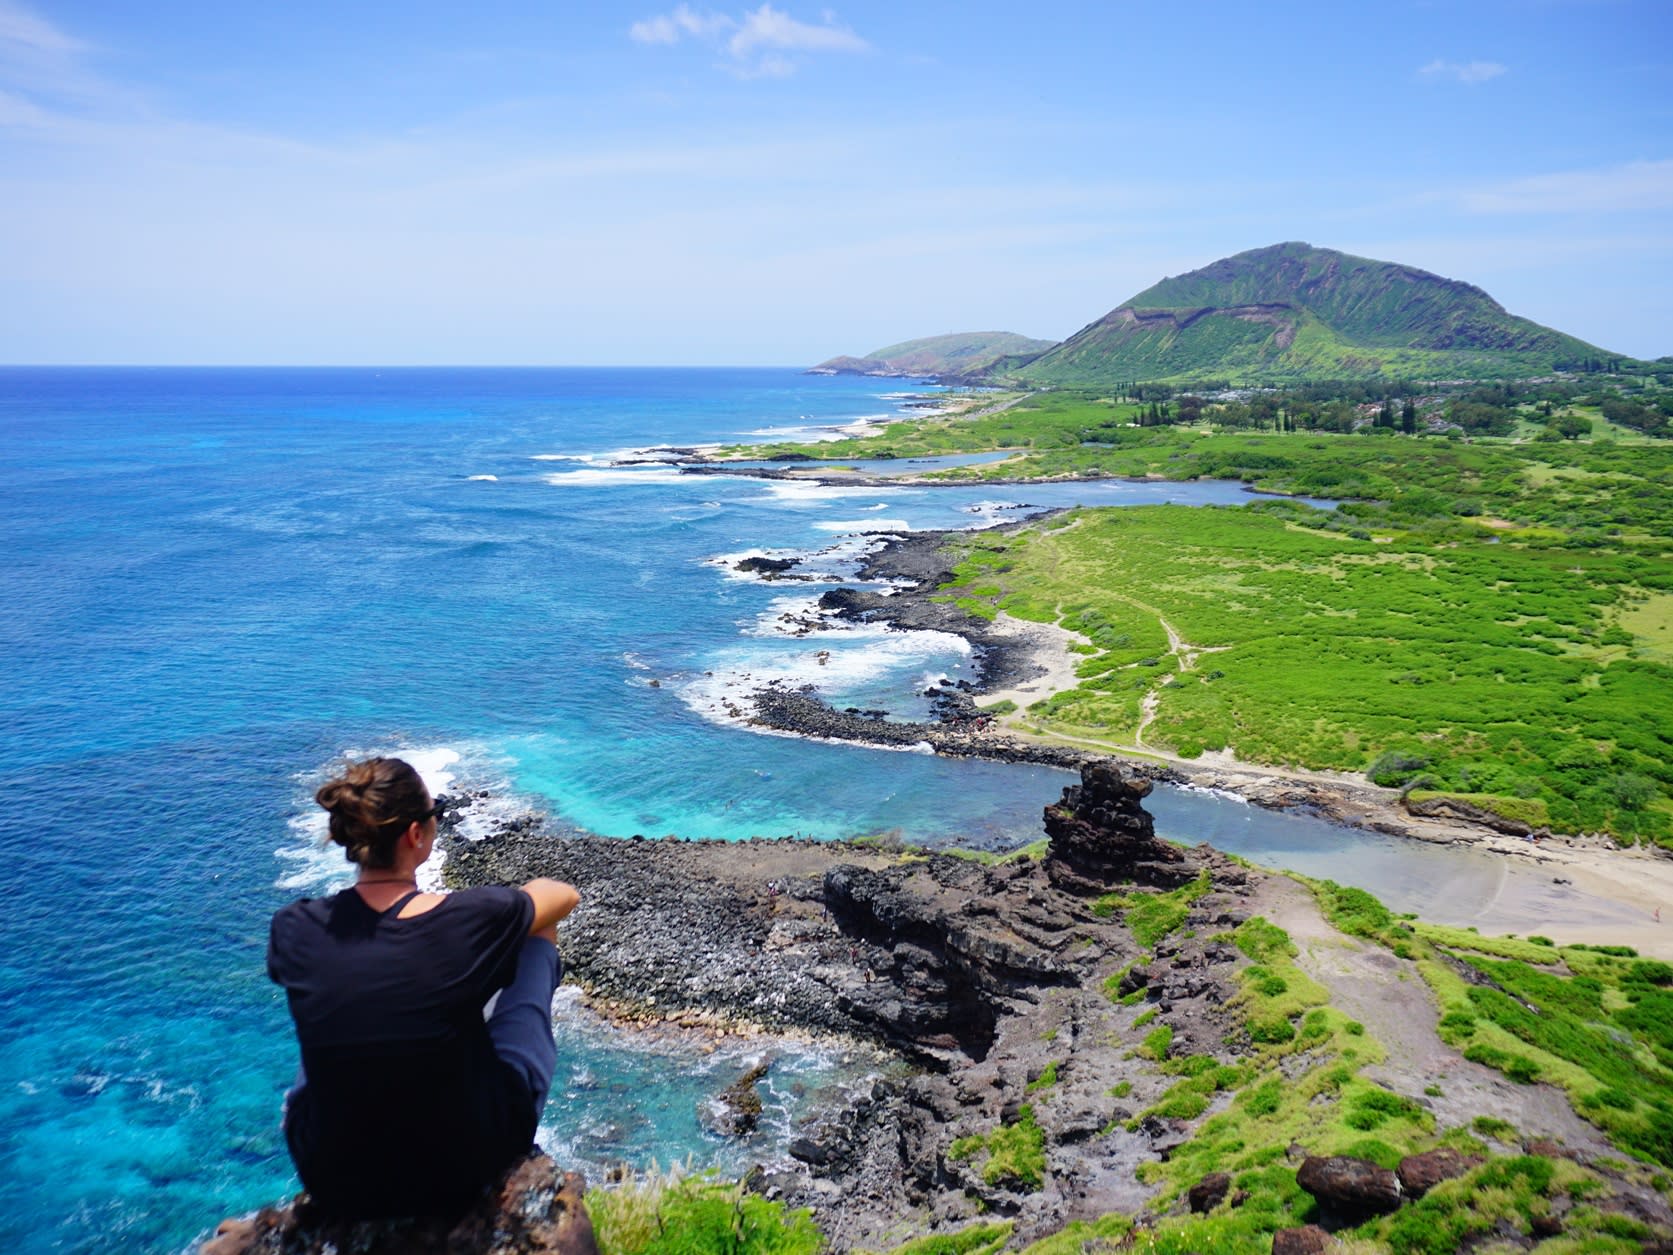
(1487, 664)
(1014, 1154)
(976, 1239)
(1046, 1079)
(1149, 915)
(1500, 612)
(1532, 811)
(673, 1214)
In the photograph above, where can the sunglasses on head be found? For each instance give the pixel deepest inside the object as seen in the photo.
(435, 812)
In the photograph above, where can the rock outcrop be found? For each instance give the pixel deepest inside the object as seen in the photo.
(536, 1210)
(988, 977)
(1101, 835)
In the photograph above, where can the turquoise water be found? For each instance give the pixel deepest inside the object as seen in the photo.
(219, 582)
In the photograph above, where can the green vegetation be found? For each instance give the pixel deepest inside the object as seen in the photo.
(1490, 667)
(977, 1239)
(1599, 1025)
(992, 858)
(962, 353)
(696, 1215)
(1150, 916)
(1595, 1020)
(1291, 311)
(1489, 621)
(1046, 1079)
(1015, 1152)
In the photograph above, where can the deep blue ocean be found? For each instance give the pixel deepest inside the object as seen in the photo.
(218, 583)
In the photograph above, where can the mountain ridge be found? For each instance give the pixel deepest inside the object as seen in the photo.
(1283, 313)
(962, 354)
(1291, 311)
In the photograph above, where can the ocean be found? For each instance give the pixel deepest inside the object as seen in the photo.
(221, 582)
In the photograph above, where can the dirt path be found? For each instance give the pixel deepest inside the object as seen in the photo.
(1390, 998)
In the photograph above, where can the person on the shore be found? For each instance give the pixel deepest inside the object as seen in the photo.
(414, 1093)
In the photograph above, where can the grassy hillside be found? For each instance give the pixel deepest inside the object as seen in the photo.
(965, 353)
(1291, 312)
(1497, 617)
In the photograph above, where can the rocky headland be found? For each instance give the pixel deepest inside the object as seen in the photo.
(1041, 1029)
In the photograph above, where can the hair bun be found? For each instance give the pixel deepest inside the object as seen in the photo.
(366, 802)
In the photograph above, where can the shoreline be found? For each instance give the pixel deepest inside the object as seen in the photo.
(1024, 662)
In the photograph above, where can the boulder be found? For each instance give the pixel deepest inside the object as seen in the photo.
(1207, 1193)
(1421, 1173)
(535, 1210)
(1307, 1240)
(1355, 1187)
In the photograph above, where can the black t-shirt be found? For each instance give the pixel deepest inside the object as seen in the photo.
(406, 1110)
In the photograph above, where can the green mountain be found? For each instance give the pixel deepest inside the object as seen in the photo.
(1292, 312)
(962, 355)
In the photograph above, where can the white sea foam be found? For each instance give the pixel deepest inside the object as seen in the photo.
(613, 457)
(864, 525)
(315, 864)
(484, 479)
(616, 476)
(809, 493)
(833, 658)
(834, 564)
(1209, 791)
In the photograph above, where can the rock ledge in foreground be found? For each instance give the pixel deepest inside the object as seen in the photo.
(536, 1210)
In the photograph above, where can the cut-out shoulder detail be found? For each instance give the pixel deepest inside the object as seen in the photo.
(420, 903)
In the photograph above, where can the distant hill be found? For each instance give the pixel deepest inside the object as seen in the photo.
(962, 355)
(1291, 312)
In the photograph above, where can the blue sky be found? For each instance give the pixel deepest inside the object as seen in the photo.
(561, 182)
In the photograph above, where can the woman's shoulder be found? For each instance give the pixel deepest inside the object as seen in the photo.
(486, 898)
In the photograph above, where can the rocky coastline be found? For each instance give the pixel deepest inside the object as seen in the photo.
(914, 566)
(1035, 1027)
(982, 976)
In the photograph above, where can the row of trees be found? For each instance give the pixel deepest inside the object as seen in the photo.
(1488, 409)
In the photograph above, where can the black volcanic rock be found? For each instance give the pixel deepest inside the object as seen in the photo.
(535, 1210)
(765, 567)
(1101, 835)
(1356, 1188)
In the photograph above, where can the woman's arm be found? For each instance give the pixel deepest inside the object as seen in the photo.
(553, 899)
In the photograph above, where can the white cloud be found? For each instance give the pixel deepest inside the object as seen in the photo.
(767, 27)
(22, 31)
(1470, 73)
(684, 20)
(754, 44)
(1637, 185)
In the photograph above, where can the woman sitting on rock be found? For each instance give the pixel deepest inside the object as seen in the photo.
(419, 1086)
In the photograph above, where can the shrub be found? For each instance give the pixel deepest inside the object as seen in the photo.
(1393, 768)
(1271, 1030)
(978, 1239)
(673, 1215)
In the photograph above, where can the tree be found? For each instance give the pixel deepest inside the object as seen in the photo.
(1408, 417)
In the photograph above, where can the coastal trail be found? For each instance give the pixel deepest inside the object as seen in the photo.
(1389, 996)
